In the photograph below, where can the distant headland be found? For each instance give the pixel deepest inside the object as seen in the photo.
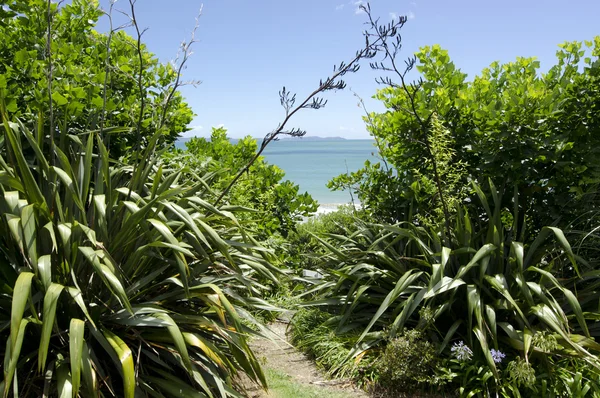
(312, 138)
(180, 143)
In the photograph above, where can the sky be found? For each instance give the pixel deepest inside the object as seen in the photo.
(246, 51)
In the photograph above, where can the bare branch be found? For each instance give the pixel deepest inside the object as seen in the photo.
(311, 101)
(370, 122)
(107, 68)
(390, 44)
(50, 77)
(140, 76)
(185, 53)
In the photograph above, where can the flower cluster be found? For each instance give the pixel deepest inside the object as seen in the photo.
(497, 356)
(461, 351)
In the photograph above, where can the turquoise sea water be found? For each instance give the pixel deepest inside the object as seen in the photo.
(311, 164)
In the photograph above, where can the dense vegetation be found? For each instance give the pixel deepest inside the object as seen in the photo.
(278, 203)
(129, 268)
(531, 131)
(463, 259)
(95, 79)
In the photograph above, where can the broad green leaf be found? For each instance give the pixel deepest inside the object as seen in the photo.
(486, 350)
(178, 339)
(48, 317)
(110, 279)
(176, 388)
(64, 385)
(402, 284)
(86, 178)
(59, 99)
(89, 374)
(571, 299)
(443, 286)
(45, 270)
(32, 190)
(125, 357)
(77, 297)
(19, 301)
(485, 251)
(50, 228)
(13, 351)
(76, 330)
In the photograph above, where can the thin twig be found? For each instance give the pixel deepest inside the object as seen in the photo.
(384, 34)
(50, 77)
(107, 69)
(185, 49)
(311, 101)
(372, 124)
(140, 77)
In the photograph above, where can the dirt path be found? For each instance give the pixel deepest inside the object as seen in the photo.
(282, 357)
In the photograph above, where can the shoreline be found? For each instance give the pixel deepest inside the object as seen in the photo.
(329, 208)
(326, 208)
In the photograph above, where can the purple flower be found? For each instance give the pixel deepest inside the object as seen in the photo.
(497, 356)
(461, 351)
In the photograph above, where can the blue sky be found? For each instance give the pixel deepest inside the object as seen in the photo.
(248, 50)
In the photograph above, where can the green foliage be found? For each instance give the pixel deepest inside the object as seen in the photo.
(312, 332)
(94, 84)
(303, 249)
(278, 203)
(534, 131)
(118, 280)
(487, 289)
(407, 362)
(521, 373)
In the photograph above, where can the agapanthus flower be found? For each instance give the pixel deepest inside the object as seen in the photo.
(497, 356)
(461, 351)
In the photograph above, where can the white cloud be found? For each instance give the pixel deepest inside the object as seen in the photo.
(413, 3)
(410, 15)
(339, 7)
(193, 132)
(344, 128)
(357, 4)
(393, 15)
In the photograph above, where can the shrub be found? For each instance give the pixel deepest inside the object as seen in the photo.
(303, 249)
(312, 333)
(95, 76)
(407, 363)
(522, 128)
(277, 203)
(486, 288)
(116, 281)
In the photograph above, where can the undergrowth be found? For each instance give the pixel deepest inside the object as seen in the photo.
(312, 334)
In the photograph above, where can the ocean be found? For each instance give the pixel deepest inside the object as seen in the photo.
(312, 163)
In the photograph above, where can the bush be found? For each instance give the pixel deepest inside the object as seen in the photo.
(407, 363)
(303, 249)
(116, 281)
(486, 288)
(95, 76)
(312, 333)
(277, 203)
(537, 132)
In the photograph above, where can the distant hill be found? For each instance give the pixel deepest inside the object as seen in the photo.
(312, 138)
(180, 143)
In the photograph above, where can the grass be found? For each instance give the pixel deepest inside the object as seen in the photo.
(282, 385)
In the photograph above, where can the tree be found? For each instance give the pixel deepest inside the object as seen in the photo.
(96, 80)
(534, 132)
